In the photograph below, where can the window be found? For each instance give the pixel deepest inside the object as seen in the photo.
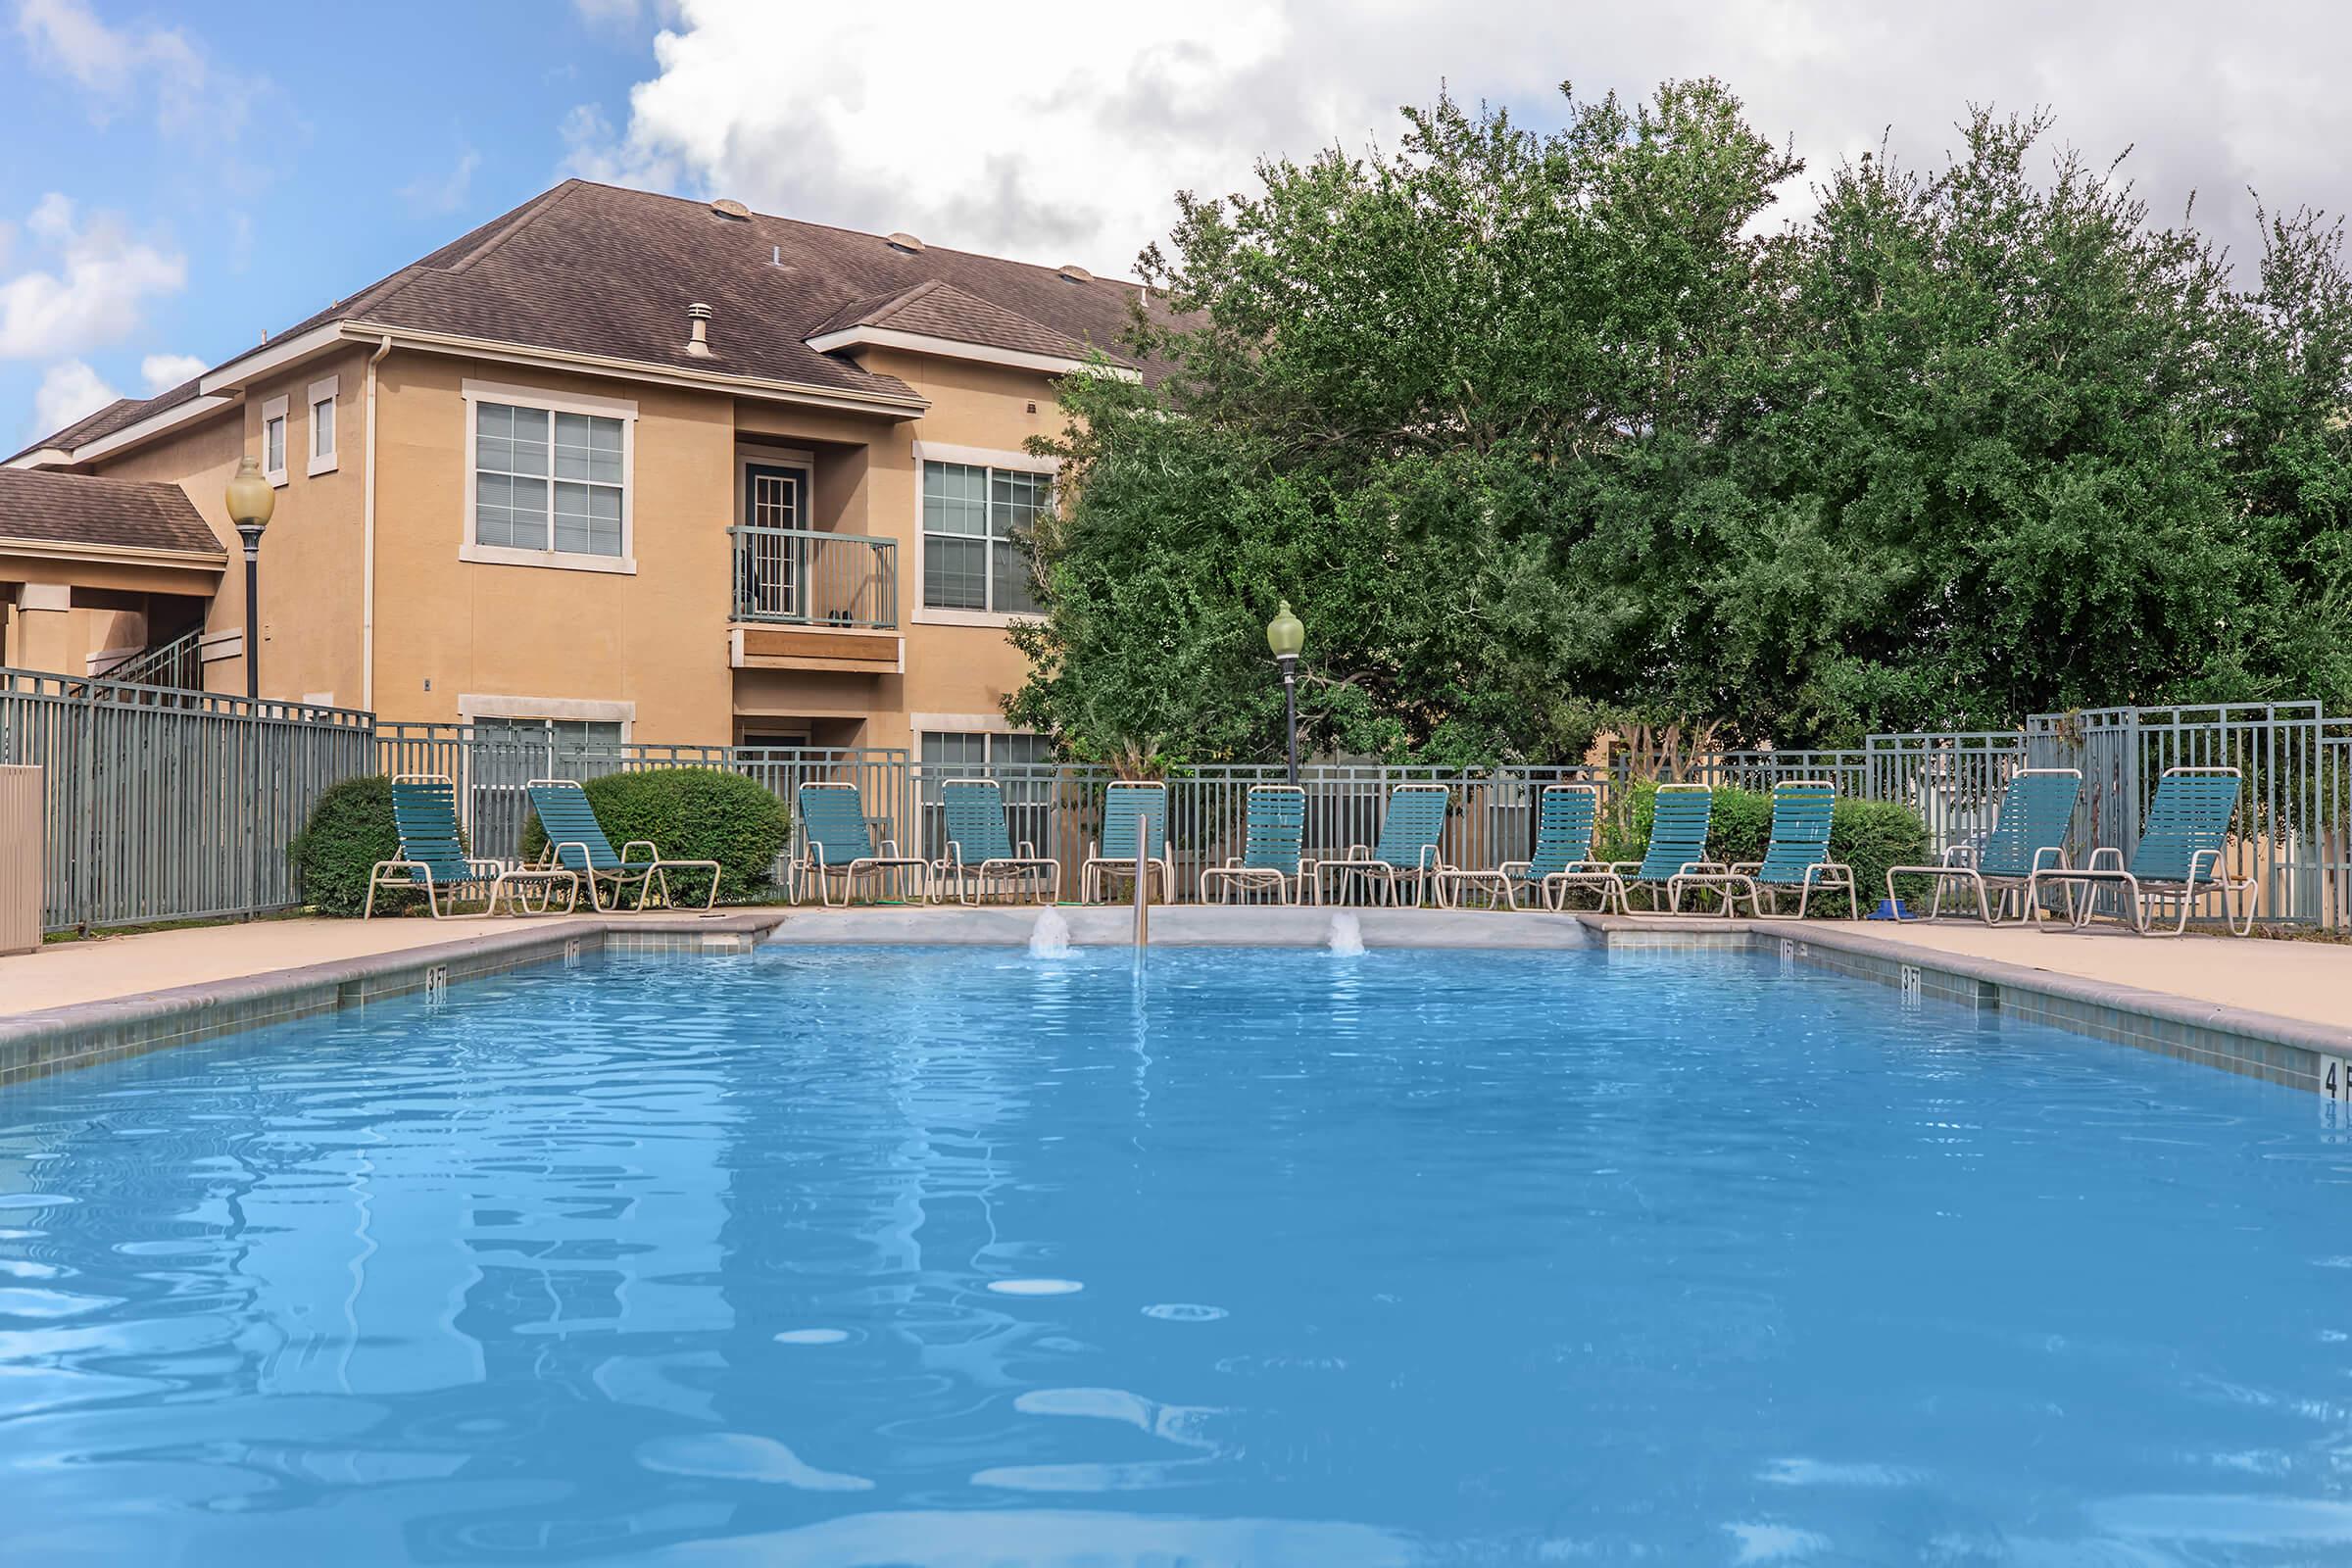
(548, 480)
(1021, 765)
(274, 440)
(322, 424)
(976, 523)
(556, 737)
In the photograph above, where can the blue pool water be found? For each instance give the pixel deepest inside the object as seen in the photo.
(969, 1257)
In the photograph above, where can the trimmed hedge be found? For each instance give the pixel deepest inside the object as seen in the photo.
(349, 831)
(690, 813)
(1868, 835)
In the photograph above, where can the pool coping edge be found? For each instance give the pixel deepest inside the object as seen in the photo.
(51, 1040)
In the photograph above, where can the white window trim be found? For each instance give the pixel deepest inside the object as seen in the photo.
(323, 392)
(561, 710)
(621, 409)
(275, 409)
(961, 724)
(984, 457)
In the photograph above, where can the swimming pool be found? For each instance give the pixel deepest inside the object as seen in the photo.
(908, 1255)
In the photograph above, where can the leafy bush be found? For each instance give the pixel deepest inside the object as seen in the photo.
(690, 813)
(349, 831)
(1868, 835)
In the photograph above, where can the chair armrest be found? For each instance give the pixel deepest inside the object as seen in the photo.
(652, 853)
(556, 853)
(953, 859)
(1960, 855)
(1745, 868)
(1699, 867)
(889, 847)
(2106, 849)
(1028, 848)
(489, 866)
(2057, 850)
(1518, 867)
(2213, 874)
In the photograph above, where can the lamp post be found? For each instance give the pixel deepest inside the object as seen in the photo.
(251, 500)
(1286, 636)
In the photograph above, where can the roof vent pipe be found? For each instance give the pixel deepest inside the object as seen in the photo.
(698, 330)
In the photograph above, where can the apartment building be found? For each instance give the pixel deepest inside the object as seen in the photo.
(619, 464)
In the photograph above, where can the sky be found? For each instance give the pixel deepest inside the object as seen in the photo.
(178, 179)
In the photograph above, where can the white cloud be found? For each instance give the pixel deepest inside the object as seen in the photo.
(122, 68)
(436, 195)
(1064, 137)
(68, 390)
(95, 291)
(162, 371)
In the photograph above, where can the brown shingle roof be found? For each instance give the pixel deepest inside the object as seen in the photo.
(938, 309)
(48, 507)
(597, 269)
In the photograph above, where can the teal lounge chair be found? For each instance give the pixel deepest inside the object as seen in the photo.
(577, 842)
(1271, 857)
(2183, 855)
(433, 859)
(837, 841)
(1406, 856)
(1677, 848)
(1566, 817)
(1133, 814)
(1796, 856)
(981, 852)
(2029, 835)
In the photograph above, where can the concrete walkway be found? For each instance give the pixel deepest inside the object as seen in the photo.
(2311, 982)
(103, 967)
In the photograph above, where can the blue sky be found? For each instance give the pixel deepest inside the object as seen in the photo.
(181, 176)
(219, 144)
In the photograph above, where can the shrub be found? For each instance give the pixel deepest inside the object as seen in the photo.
(1868, 835)
(349, 831)
(690, 813)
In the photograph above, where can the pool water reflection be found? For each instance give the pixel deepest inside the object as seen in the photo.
(975, 1256)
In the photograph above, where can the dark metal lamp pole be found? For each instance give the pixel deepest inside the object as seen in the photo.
(1284, 635)
(251, 500)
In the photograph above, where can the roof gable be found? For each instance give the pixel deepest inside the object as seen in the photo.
(42, 505)
(606, 273)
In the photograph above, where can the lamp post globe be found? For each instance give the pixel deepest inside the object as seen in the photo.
(252, 498)
(1286, 636)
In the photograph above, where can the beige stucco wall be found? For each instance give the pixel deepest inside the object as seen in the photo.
(651, 644)
(951, 668)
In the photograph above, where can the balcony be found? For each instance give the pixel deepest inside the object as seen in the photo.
(809, 600)
(801, 577)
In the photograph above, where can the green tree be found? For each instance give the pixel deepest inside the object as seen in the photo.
(1539, 431)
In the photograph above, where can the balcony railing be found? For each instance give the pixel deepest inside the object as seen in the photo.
(800, 577)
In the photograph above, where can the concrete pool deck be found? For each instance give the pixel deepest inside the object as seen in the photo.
(2277, 1010)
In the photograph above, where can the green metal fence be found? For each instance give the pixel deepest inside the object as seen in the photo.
(169, 804)
(165, 803)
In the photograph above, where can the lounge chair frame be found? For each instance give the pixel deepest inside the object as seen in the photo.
(1271, 842)
(2205, 873)
(1566, 815)
(813, 861)
(619, 871)
(1615, 880)
(1098, 870)
(504, 881)
(1023, 865)
(1368, 863)
(1963, 866)
(1812, 803)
